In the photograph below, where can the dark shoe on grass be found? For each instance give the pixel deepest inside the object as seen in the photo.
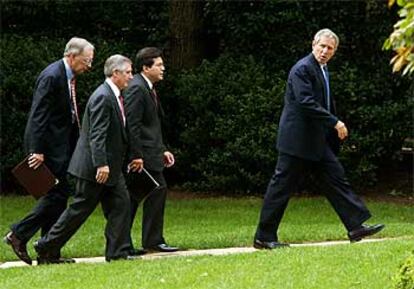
(18, 246)
(44, 257)
(364, 231)
(268, 245)
(162, 248)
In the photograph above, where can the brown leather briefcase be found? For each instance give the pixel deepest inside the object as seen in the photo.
(37, 182)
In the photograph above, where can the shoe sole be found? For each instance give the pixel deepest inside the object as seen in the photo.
(160, 251)
(256, 246)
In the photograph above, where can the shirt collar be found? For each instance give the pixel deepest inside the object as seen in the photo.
(69, 72)
(148, 81)
(114, 88)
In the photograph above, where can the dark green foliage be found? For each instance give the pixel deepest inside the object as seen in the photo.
(371, 108)
(227, 122)
(222, 117)
(375, 105)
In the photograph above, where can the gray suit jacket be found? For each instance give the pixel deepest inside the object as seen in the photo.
(144, 124)
(306, 127)
(103, 139)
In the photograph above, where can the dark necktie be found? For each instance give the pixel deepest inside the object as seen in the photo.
(154, 96)
(75, 113)
(328, 92)
(121, 106)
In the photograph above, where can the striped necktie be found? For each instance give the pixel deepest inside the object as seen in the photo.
(75, 112)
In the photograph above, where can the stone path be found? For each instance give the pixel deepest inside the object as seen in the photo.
(210, 252)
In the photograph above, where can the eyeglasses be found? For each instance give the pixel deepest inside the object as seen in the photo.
(87, 61)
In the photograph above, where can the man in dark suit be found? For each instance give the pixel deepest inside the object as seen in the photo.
(50, 137)
(97, 166)
(144, 114)
(308, 138)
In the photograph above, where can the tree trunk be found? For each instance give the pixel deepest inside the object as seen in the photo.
(186, 34)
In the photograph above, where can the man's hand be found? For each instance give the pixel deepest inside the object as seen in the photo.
(342, 130)
(102, 174)
(35, 160)
(168, 159)
(136, 165)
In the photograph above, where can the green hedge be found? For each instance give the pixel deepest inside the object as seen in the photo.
(227, 115)
(228, 111)
(222, 116)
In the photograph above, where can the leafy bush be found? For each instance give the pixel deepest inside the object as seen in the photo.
(227, 122)
(222, 117)
(404, 279)
(378, 115)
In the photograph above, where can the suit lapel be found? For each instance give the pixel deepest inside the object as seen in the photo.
(114, 103)
(148, 90)
(64, 80)
(321, 79)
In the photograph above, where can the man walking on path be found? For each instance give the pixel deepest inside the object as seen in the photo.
(308, 139)
(50, 137)
(97, 166)
(144, 114)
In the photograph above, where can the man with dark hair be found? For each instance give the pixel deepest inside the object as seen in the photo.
(50, 137)
(97, 166)
(144, 114)
(308, 139)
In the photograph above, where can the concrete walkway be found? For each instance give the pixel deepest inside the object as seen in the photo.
(210, 252)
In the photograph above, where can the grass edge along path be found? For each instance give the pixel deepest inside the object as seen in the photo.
(210, 252)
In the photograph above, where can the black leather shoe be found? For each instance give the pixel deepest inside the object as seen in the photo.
(162, 248)
(44, 257)
(51, 260)
(18, 246)
(364, 231)
(120, 258)
(137, 252)
(268, 245)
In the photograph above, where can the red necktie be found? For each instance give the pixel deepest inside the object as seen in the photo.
(121, 106)
(73, 98)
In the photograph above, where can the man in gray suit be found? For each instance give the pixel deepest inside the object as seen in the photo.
(144, 114)
(308, 139)
(97, 166)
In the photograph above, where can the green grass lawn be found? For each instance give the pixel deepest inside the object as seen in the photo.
(227, 222)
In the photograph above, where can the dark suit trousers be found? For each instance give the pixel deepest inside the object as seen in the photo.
(285, 180)
(115, 206)
(45, 213)
(141, 189)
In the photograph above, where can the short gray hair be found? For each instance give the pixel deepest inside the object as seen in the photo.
(328, 33)
(76, 46)
(116, 62)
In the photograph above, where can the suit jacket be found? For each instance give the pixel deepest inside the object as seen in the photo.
(49, 128)
(103, 139)
(306, 127)
(144, 124)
